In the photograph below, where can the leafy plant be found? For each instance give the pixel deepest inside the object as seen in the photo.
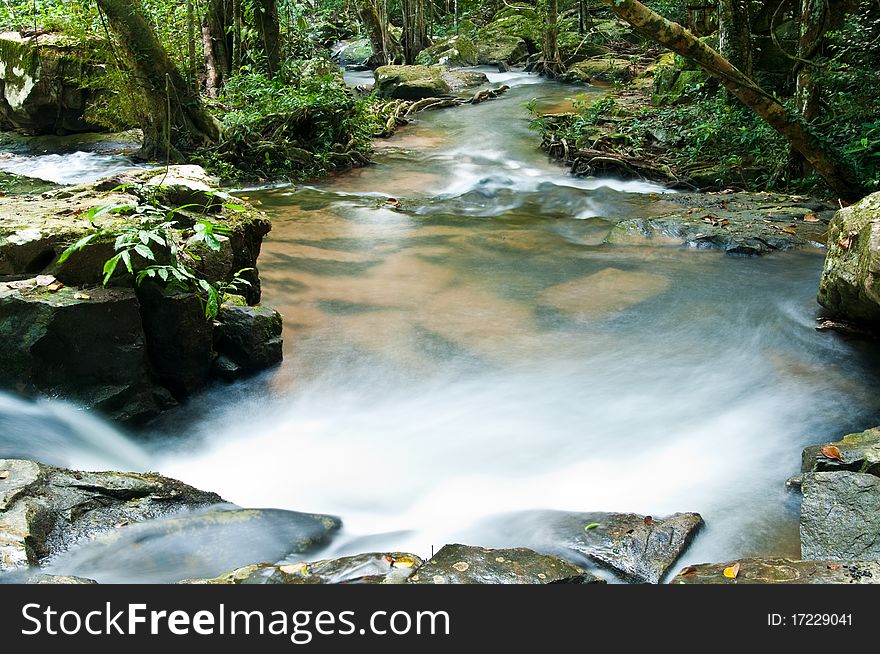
(154, 236)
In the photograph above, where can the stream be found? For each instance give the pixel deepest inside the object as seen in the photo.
(482, 351)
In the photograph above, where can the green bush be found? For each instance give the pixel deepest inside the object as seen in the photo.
(302, 123)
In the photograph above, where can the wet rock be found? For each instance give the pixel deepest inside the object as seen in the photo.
(638, 548)
(202, 544)
(410, 82)
(858, 453)
(850, 284)
(456, 50)
(60, 579)
(179, 339)
(601, 69)
(11, 184)
(501, 49)
(86, 346)
(462, 80)
(371, 568)
(250, 337)
(782, 571)
(44, 510)
(47, 84)
(735, 223)
(354, 53)
(840, 516)
(463, 564)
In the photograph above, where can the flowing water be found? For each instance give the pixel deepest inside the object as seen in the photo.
(480, 351)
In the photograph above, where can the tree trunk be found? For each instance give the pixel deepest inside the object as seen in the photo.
(735, 31)
(415, 29)
(191, 45)
(173, 117)
(840, 177)
(237, 55)
(266, 20)
(552, 62)
(218, 44)
(814, 21)
(373, 24)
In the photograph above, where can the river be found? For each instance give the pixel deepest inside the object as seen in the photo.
(480, 350)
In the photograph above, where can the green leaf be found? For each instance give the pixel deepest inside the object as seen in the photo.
(592, 525)
(76, 247)
(145, 252)
(110, 267)
(212, 306)
(126, 258)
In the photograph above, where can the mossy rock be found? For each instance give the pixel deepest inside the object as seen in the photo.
(528, 29)
(410, 82)
(355, 53)
(850, 284)
(517, 10)
(602, 69)
(452, 51)
(859, 452)
(48, 84)
(501, 49)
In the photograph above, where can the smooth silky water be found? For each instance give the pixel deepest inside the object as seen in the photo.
(481, 351)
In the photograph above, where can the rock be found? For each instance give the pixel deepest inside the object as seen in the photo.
(461, 80)
(522, 22)
(602, 69)
(840, 516)
(456, 50)
(44, 510)
(850, 284)
(201, 544)
(418, 82)
(11, 184)
(88, 347)
(858, 453)
(735, 223)
(47, 84)
(638, 548)
(354, 53)
(179, 338)
(463, 564)
(249, 336)
(782, 571)
(501, 49)
(410, 82)
(372, 568)
(60, 579)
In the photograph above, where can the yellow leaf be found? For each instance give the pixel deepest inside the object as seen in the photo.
(732, 571)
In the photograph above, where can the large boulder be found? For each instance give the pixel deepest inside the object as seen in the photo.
(463, 564)
(45, 510)
(457, 50)
(637, 548)
(370, 568)
(840, 516)
(600, 69)
(410, 82)
(47, 84)
(501, 48)
(354, 53)
(200, 544)
(520, 21)
(850, 284)
(86, 346)
(781, 571)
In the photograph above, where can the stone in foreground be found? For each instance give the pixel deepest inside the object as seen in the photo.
(859, 452)
(202, 544)
(638, 548)
(45, 510)
(840, 516)
(370, 568)
(781, 571)
(463, 564)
